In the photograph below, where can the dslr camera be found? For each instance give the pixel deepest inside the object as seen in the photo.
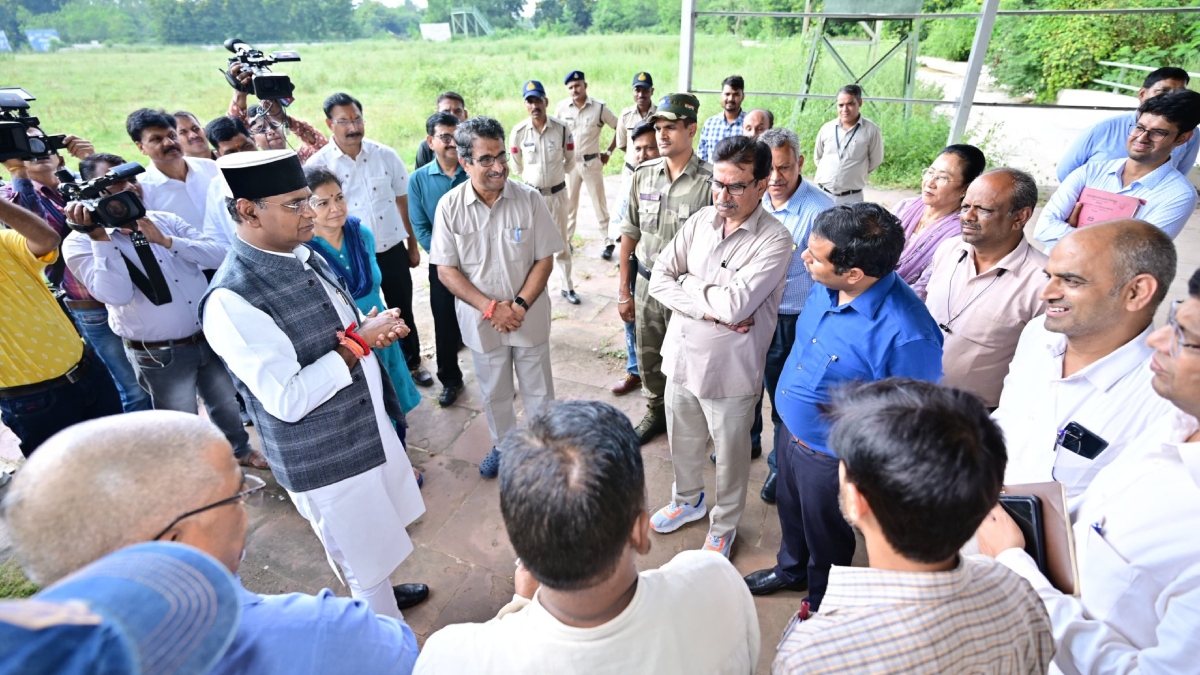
(117, 210)
(264, 84)
(15, 120)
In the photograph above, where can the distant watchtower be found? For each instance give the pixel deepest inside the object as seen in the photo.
(469, 22)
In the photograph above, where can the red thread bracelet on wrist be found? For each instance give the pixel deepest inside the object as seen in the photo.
(356, 337)
(352, 345)
(490, 310)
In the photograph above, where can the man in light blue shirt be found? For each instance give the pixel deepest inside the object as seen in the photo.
(796, 203)
(1106, 140)
(1164, 123)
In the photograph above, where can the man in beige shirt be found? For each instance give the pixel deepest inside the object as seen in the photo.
(586, 117)
(643, 106)
(544, 153)
(848, 148)
(493, 242)
(722, 276)
(986, 285)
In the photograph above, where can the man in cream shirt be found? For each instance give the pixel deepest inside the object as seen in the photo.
(1080, 380)
(572, 492)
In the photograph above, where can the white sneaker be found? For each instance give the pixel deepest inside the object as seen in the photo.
(722, 545)
(672, 517)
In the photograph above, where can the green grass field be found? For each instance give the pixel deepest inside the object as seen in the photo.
(89, 93)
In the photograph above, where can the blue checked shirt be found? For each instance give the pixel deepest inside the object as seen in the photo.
(715, 130)
(1169, 198)
(798, 216)
(1107, 140)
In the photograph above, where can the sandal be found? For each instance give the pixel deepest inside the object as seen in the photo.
(254, 460)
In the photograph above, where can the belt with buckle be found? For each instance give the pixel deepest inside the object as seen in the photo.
(588, 158)
(72, 376)
(841, 194)
(164, 344)
(553, 190)
(83, 304)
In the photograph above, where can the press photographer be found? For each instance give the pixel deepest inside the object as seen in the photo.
(268, 120)
(149, 272)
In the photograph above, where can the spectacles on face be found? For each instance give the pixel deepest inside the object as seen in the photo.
(299, 206)
(261, 127)
(1178, 341)
(356, 122)
(488, 160)
(940, 177)
(1155, 134)
(321, 204)
(251, 487)
(448, 139)
(735, 189)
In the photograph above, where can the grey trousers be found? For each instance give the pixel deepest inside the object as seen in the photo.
(494, 370)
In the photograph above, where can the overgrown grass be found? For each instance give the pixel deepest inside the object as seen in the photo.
(13, 583)
(89, 93)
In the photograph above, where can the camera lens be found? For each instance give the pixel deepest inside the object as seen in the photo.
(116, 209)
(37, 146)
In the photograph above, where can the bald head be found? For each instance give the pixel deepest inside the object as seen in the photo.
(105, 484)
(1135, 248)
(756, 122)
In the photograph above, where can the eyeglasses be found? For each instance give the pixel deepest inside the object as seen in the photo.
(448, 139)
(1155, 134)
(298, 207)
(941, 177)
(251, 485)
(321, 204)
(488, 160)
(261, 127)
(1177, 338)
(356, 122)
(735, 189)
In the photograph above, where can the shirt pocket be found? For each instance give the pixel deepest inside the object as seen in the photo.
(381, 193)
(648, 215)
(1102, 563)
(472, 249)
(986, 329)
(532, 155)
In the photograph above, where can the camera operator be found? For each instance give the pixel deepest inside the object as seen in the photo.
(173, 182)
(47, 380)
(269, 121)
(35, 187)
(150, 274)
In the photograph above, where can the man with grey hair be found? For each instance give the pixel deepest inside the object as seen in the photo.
(985, 286)
(796, 203)
(1078, 389)
(171, 476)
(494, 242)
(848, 148)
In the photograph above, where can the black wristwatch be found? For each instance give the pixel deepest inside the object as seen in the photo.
(521, 301)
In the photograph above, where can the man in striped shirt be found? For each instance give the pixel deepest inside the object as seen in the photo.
(921, 466)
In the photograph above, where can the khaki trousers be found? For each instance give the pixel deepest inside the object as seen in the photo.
(494, 371)
(691, 421)
(557, 203)
(650, 328)
(590, 174)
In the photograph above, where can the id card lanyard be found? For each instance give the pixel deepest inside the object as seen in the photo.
(837, 138)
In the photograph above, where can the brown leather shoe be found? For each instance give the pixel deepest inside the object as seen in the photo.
(626, 384)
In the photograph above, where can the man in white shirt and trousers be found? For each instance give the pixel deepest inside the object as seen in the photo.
(300, 353)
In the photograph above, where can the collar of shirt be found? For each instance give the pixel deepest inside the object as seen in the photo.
(792, 206)
(729, 125)
(364, 151)
(869, 302)
(155, 176)
(867, 586)
(436, 168)
(692, 168)
(1008, 263)
(750, 225)
(1182, 427)
(472, 196)
(300, 253)
(1106, 372)
(1149, 181)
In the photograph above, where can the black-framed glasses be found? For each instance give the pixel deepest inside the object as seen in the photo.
(488, 160)
(298, 207)
(1178, 340)
(1155, 134)
(251, 485)
(448, 139)
(735, 189)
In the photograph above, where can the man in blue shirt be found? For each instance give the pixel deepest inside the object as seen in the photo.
(861, 322)
(426, 186)
(796, 203)
(1106, 140)
(1164, 123)
(726, 123)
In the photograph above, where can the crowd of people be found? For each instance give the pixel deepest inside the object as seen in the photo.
(916, 362)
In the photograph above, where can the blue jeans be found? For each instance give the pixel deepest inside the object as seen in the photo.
(631, 366)
(777, 354)
(93, 325)
(174, 375)
(36, 417)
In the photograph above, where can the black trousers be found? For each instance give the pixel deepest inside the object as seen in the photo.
(446, 333)
(397, 286)
(777, 355)
(815, 535)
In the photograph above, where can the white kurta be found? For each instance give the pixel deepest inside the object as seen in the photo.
(360, 520)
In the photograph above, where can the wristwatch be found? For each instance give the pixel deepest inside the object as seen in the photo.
(521, 301)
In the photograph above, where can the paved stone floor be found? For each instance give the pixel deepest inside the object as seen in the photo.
(462, 550)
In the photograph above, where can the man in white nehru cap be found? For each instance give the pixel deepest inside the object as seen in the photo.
(300, 353)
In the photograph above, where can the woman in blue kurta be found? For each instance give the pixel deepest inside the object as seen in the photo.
(348, 247)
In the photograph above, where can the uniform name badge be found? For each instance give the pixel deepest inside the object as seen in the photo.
(650, 196)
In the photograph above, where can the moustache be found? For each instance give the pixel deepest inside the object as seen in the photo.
(354, 134)
(782, 183)
(725, 205)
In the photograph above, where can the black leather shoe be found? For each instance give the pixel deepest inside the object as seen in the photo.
(764, 582)
(755, 450)
(449, 395)
(410, 595)
(571, 297)
(608, 251)
(768, 491)
(421, 377)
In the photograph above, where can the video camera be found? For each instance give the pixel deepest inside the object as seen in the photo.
(264, 84)
(15, 120)
(118, 210)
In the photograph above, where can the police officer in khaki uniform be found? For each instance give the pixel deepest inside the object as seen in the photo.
(665, 193)
(544, 153)
(586, 117)
(630, 118)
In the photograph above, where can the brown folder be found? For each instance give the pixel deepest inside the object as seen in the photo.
(1062, 568)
